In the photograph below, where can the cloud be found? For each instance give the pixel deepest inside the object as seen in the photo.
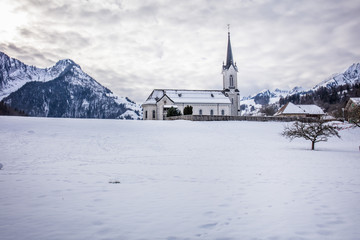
(29, 55)
(135, 46)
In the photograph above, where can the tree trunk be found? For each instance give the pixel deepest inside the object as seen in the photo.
(312, 145)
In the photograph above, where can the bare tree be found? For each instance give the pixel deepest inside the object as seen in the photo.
(314, 131)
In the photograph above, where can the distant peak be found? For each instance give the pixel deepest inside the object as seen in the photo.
(265, 90)
(278, 90)
(65, 62)
(297, 89)
(355, 67)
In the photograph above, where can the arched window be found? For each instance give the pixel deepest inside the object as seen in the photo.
(223, 112)
(212, 112)
(153, 114)
(231, 81)
(200, 112)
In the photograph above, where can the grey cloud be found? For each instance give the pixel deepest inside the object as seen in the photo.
(182, 43)
(29, 55)
(65, 39)
(72, 13)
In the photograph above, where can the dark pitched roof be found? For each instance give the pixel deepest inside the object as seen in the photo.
(229, 56)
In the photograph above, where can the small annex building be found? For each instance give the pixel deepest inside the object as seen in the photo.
(225, 102)
(300, 111)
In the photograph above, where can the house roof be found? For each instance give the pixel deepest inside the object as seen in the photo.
(311, 109)
(355, 100)
(291, 108)
(188, 96)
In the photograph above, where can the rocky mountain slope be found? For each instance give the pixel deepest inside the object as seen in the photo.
(252, 105)
(63, 90)
(350, 76)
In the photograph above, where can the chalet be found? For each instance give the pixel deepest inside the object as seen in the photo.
(300, 111)
(224, 102)
(352, 104)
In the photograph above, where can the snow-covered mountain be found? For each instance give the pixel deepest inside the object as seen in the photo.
(63, 90)
(252, 104)
(350, 76)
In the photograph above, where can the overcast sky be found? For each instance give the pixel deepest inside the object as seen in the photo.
(135, 46)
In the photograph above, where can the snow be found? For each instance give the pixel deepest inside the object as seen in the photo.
(349, 76)
(156, 94)
(20, 74)
(130, 114)
(311, 109)
(300, 109)
(292, 108)
(274, 97)
(189, 96)
(356, 100)
(177, 180)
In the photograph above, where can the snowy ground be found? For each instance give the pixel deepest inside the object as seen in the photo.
(178, 180)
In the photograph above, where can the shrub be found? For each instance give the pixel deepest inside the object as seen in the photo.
(173, 112)
(188, 110)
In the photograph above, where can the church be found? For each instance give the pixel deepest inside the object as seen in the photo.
(224, 102)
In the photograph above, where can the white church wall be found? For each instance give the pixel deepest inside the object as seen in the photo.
(148, 112)
(206, 109)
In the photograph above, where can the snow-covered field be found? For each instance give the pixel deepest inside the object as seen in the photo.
(178, 180)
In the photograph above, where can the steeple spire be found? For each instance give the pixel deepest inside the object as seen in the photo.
(229, 56)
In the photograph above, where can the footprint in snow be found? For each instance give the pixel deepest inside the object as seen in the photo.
(209, 225)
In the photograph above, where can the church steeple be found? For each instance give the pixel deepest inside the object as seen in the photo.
(230, 84)
(229, 55)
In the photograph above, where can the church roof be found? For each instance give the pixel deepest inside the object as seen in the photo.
(229, 56)
(188, 96)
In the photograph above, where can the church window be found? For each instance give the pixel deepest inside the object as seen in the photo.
(145, 114)
(212, 112)
(223, 112)
(153, 114)
(200, 112)
(231, 81)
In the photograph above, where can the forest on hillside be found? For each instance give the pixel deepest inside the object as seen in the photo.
(332, 100)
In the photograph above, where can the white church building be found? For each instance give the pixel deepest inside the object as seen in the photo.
(225, 102)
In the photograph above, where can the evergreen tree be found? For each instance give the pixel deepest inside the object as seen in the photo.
(173, 112)
(188, 110)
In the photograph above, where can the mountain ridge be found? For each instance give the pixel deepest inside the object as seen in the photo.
(252, 104)
(36, 91)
